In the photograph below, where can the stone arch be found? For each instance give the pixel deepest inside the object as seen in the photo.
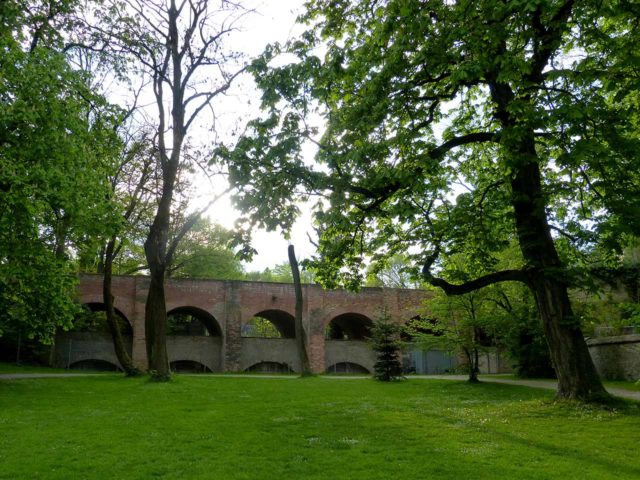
(121, 297)
(100, 307)
(89, 345)
(348, 368)
(98, 364)
(269, 367)
(283, 322)
(188, 366)
(193, 321)
(349, 326)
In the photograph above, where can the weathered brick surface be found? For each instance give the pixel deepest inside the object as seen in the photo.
(233, 303)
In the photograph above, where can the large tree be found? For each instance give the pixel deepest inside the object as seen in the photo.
(179, 47)
(133, 198)
(529, 107)
(57, 147)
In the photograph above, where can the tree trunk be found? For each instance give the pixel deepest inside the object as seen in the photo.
(155, 315)
(473, 370)
(61, 230)
(156, 331)
(121, 353)
(577, 376)
(301, 341)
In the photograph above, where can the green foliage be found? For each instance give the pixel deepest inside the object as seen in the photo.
(463, 324)
(205, 252)
(423, 99)
(524, 340)
(88, 321)
(259, 327)
(386, 343)
(612, 301)
(394, 272)
(501, 316)
(57, 147)
(36, 291)
(280, 273)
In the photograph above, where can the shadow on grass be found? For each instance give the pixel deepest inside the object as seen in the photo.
(554, 409)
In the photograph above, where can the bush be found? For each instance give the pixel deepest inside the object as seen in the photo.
(527, 346)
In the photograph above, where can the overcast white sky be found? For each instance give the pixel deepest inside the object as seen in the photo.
(273, 22)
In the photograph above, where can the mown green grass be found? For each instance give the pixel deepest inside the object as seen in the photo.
(13, 368)
(633, 386)
(313, 428)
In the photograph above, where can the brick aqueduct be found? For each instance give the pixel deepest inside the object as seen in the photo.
(336, 323)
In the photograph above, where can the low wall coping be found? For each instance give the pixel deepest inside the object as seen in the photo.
(592, 342)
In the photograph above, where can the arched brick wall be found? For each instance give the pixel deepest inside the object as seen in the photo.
(233, 303)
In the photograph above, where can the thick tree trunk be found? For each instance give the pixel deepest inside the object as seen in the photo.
(156, 330)
(121, 352)
(155, 314)
(577, 376)
(301, 341)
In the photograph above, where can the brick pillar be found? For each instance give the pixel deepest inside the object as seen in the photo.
(232, 345)
(139, 348)
(316, 341)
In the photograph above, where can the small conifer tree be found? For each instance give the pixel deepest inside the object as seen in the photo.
(385, 340)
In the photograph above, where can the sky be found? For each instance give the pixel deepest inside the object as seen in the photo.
(274, 21)
(270, 21)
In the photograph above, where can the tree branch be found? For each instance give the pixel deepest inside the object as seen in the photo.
(478, 283)
(188, 225)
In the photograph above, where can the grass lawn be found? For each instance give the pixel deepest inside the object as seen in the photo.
(13, 368)
(635, 386)
(314, 428)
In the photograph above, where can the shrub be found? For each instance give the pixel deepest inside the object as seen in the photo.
(385, 341)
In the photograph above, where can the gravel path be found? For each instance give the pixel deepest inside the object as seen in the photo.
(546, 384)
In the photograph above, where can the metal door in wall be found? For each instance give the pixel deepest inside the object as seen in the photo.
(432, 362)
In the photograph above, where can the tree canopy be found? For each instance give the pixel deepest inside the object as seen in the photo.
(57, 147)
(457, 127)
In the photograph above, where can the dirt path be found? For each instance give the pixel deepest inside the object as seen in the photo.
(546, 384)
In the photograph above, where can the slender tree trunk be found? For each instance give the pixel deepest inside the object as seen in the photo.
(473, 371)
(121, 352)
(155, 248)
(476, 363)
(577, 376)
(156, 244)
(61, 230)
(301, 341)
(101, 260)
(18, 347)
